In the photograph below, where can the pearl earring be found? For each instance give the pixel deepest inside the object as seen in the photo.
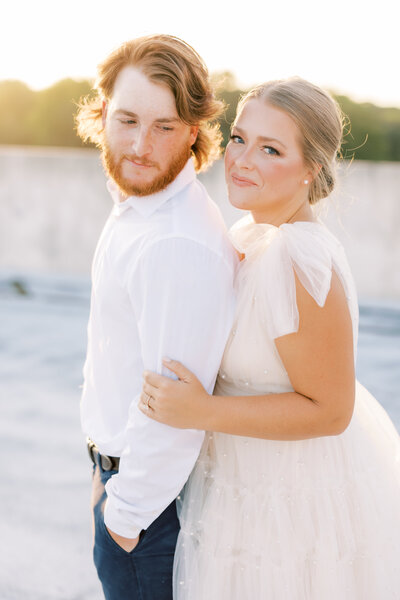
(306, 181)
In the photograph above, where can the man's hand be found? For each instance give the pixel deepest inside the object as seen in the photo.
(127, 544)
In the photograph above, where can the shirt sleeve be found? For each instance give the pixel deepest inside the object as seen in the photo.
(182, 295)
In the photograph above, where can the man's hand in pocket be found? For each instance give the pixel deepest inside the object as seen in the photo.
(128, 544)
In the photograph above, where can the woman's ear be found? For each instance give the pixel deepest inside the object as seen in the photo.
(315, 171)
(311, 174)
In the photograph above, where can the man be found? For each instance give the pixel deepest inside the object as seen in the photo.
(162, 286)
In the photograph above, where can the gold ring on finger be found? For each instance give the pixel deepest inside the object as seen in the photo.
(148, 401)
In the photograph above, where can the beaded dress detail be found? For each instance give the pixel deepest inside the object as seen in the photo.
(315, 519)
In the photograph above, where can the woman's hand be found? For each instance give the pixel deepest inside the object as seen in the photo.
(182, 403)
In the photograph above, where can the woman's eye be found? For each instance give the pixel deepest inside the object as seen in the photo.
(236, 139)
(164, 128)
(128, 121)
(270, 150)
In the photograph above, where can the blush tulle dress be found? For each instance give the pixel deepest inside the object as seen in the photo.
(315, 519)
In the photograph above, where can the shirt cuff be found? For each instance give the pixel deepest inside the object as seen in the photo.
(115, 520)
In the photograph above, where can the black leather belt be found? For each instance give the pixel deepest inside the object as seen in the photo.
(108, 463)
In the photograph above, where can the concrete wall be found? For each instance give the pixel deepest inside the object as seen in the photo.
(53, 203)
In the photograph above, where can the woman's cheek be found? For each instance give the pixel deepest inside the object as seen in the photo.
(275, 172)
(228, 158)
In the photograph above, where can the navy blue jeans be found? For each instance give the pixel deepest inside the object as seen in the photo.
(145, 573)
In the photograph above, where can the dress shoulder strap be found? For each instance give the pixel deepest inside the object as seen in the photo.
(275, 254)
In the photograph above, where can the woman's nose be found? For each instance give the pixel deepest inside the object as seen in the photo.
(244, 158)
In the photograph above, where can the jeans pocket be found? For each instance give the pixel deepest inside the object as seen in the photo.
(99, 496)
(112, 543)
(106, 475)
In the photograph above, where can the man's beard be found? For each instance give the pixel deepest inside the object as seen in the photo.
(113, 166)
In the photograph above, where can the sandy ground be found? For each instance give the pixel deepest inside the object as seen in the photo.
(45, 526)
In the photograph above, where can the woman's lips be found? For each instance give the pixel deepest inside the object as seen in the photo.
(242, 181)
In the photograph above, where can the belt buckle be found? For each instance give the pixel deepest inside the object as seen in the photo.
(91, 446)
(106, 462)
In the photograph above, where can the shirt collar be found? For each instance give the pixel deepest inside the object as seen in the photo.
(147, 205)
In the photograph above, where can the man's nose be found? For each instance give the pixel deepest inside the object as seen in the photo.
(141, 144)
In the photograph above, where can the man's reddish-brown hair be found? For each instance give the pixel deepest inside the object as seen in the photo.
(169, 61)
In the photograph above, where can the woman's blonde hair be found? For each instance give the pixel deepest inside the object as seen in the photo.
(166, 60)
(319, 119)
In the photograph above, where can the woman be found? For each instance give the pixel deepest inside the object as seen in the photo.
(296, 495)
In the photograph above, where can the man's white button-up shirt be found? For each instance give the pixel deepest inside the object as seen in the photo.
(162, 286)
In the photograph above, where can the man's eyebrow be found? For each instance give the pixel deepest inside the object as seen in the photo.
(167, 120)
(128, 113)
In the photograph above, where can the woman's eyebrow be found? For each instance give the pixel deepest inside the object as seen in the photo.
(268, 139)
(260, 138)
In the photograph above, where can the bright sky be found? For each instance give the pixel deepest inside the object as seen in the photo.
(348, 46)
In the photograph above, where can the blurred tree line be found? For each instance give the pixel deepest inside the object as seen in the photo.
(46, 118)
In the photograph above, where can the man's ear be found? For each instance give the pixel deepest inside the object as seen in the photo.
(194, 130)
(104, 109)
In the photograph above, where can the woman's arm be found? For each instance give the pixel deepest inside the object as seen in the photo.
(319, 361)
